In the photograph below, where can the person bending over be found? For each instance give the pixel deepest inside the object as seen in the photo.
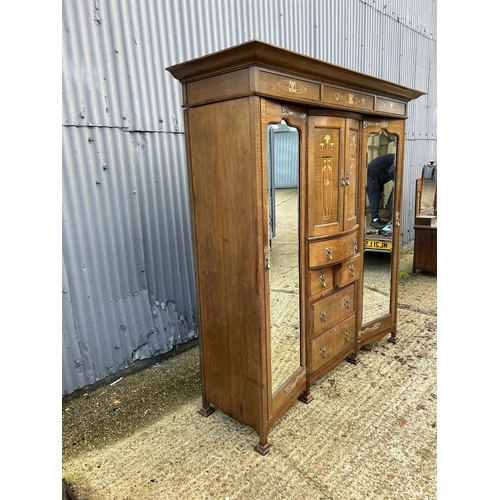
(380, 171)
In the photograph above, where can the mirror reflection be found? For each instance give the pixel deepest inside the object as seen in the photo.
(426, 192)
(380, 176)
(283, 258)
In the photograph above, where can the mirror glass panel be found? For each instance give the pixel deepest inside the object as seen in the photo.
(283, 250)
(426, 199)
(380, 195)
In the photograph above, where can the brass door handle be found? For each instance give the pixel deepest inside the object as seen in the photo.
(267, 257)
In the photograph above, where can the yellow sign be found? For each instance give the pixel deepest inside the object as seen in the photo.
(378, 245)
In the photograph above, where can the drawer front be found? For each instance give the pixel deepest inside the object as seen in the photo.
(348, 99)
(321, 280)
(218, 88)
(348, 271)
(386, 105)
(330, 344)
(331, 251)
(330, 310)
(280, 85)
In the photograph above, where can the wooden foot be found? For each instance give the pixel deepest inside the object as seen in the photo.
(206, 411)
(306, 398)
(393, 339)
(354, 360)
(263, 449)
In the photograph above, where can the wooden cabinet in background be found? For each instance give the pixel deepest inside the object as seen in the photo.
(425, 249)
(425, 243)
(278, 238)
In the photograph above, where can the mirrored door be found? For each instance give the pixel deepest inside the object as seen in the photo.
(283, 210)
(382, 161)
(379, 207)
(283, 155)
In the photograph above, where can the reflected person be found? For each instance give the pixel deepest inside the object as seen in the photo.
(380, 171)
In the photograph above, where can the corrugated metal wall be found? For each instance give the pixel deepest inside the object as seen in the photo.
(128, 285)
(286, 157)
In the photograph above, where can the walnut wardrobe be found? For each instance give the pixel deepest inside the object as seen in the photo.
(277, 148)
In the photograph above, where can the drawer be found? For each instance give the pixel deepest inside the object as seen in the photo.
(386, 105)
(332, 343)
(348, 271)
(322, 253)
(330, 310)
(349, 99)
(321, 280)
(282, 85)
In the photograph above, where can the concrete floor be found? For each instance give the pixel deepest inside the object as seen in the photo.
(369, 433)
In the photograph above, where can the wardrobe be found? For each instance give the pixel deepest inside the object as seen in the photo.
(277, 149)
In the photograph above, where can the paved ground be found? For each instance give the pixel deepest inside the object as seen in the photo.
(370, 433)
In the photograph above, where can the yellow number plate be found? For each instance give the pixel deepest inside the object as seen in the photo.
(379, 245)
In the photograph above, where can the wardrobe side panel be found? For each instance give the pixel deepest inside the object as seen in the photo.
(223, 182)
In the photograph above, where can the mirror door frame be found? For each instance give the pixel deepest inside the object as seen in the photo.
(273, 112)
(378, 328)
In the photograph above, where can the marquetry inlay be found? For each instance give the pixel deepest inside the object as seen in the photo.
(292, 86)
(383, 124)
(374, 328)
(292, 385)
(353, 100)
(286, 111)
(350, 99)
(326, 152)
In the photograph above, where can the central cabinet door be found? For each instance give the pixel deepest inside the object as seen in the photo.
(333, 174)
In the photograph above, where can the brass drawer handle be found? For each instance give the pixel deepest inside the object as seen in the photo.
(322, 316)
(351, 270)
(322, 279)
(323, 351)
(328, 253)
(346, 335)
(347, 302)
(355, 246)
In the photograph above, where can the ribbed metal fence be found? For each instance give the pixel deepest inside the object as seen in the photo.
(286, 158)
(128, 279)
